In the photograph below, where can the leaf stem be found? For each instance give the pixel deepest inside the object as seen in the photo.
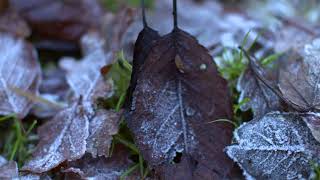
(143, 7)
(175, 16)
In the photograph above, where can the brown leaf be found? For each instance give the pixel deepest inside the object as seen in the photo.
(60, 20)
(19, 69)
(61, 139)
(178, 92)
(100, 168)
(102, 127)
(11, 22)
(142, 47)
(313, 122)
(8, 170)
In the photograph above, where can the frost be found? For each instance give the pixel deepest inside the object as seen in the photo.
(62, 138)
(8, 170)
(102, 127)
(261, 99)
(299, 82)
(313, 122)
(277, 146)
(19, 72)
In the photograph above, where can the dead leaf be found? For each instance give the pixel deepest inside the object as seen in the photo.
(299, 81)
(261, 99)
(142, 47)
(100, 168)
(61, 139)
(277, 146)
(178, 92)
(10, 21)
(19, 69)
(313, 122)
(60, 20)
(84, 76)
(8, 170)
(102, 127)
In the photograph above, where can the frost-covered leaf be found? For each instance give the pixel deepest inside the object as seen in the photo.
(8, 170)
(61, 139)
(261, 99)
(19, 70)
(277, 146)
(178, 92)
(84, 76)
(299, 82)
(313, 122)
(100, 168)
(102, 127)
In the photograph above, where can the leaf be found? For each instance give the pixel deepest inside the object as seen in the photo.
(178, 92)
(11, 22)
(61, 139)
(313, 122)
(8, 170)
(60, 20)
(19, 69)
(84, 76)
(299, 81)
(100, 168)
(277, 146)
(142, 48)
(262, 99)
(103, 126)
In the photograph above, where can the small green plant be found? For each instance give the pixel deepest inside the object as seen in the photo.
(19, 140)
(114, 5)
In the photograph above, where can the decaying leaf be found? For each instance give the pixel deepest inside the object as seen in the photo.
(60, 20)
(19, 69)
(84, 77)
(299, 81)
(261, 99)
(8, 170)
(100, 168)
(277, 146)
(10, 21)
(61, 139)
(142, 48)
(178, 92)
(102, 127)
(313, 122)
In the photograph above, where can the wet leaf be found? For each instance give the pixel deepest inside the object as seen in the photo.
(19, 70)
(102, 127)
(299, 81)
(178, 93)
(8, 170)
(61, 139)
(100, 168)
(60, 20)
(277, 146)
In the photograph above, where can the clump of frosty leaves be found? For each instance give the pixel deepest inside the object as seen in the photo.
(277, 146)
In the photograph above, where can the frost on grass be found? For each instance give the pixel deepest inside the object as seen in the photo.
(8, 170)
(101, 129)
(278, 146)
(61, 139)
(261, 99)
(19, 72)
(84, 76)
(299, 82)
